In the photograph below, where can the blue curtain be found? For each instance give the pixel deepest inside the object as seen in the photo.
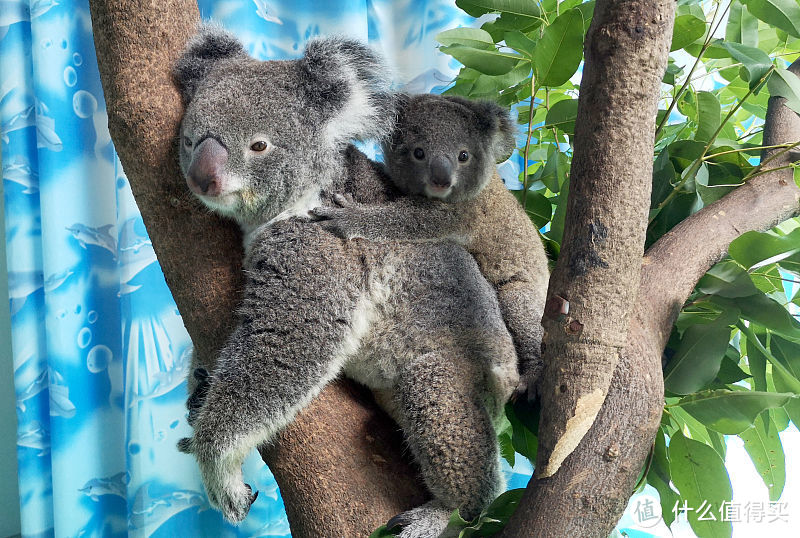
(100, 352)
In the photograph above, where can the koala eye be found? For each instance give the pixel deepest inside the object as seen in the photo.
(463, 156)
(258, 146)
(419, 154)
(187, 141)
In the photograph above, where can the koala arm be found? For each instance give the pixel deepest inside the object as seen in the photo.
(411, 218)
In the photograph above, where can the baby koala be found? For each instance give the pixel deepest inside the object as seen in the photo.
(442, 154)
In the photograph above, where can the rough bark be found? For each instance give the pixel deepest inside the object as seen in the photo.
(590, 299)
(589, 493)
(339, 464)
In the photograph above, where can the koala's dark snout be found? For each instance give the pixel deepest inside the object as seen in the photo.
(207, 168)
(441, 171)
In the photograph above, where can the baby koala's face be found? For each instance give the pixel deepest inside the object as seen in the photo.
(446, 148)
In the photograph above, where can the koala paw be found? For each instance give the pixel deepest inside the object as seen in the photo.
(233, 499)
(344, 221)
(198, 397)
(528, 387)
(426, 521)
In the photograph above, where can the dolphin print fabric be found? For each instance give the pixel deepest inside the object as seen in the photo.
(100, 352)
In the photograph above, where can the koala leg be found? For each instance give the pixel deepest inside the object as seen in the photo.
(298, 324)
(442, 409)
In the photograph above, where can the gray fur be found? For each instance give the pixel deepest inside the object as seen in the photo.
(475, 211)
(315, 306)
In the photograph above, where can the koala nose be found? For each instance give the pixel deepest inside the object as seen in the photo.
(207, 168)
(441, 171)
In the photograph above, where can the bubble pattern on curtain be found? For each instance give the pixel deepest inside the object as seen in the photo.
(100, 352)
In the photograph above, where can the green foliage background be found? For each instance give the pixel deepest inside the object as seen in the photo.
(732, 366)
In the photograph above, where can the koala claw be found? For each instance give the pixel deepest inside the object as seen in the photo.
(343, 200)
(233, 500)
(426, 521)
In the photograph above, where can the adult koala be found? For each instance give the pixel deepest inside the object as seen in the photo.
(263, 143)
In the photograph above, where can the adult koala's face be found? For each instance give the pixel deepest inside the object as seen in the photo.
(447, 147)
(261, 138)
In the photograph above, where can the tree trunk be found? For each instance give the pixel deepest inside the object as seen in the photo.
(339, 464)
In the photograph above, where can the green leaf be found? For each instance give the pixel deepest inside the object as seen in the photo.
(699, 474)
(697, 360)
(470, 37)
(731, 411)
(538, 207)
(727, 279)
(559, 215)
(690, 25)
(755, 62)
(764, 311)
(560, 49)
(659, 478)
(382, 532)
(488, 62)
(742, 26)
(523, 439)
(756, 360)
(562, 115)
(520, 42)
(787, 85)
(766, 452)
(687, 105)
(476, 8)
(555, 171)
(796, 175)
(755, 249)
(788, 353)
(783, 14)
(708, 116)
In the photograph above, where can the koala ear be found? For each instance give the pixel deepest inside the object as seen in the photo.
(494, 119)
(208, 46)
(349, 81)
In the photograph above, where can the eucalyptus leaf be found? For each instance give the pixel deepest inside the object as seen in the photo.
(470, 37)
(699, 474)
(752, 249)
(690, 25)
(658, 477)
(785, 84)
(731, 411)
(489, 62)
(560, 49)
(562, 115)
(523, 8)
(727, 279)
(699, 354)
(755, 62)
(708, 116)
(742, 26)
(783, 14)
(764, 447)
(520, 42)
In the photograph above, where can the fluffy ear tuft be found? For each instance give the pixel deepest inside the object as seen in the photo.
(494, 119)
(209, 45)
(351, 82)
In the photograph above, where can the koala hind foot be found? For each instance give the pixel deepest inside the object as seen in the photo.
(231, 497)
(426, 521)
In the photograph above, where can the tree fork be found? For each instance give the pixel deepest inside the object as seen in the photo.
(339, 464)
(589, 493)
(590, 298)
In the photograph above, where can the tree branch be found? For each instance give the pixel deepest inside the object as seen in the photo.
(590, 299)
(339, 464)
(589, 493)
